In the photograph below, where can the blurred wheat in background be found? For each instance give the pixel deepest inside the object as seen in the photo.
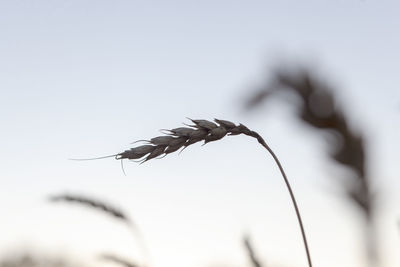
(320, 109)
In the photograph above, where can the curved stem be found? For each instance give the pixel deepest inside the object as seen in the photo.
(264, 144)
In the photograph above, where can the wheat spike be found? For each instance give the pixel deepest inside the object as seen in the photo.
(175, 139)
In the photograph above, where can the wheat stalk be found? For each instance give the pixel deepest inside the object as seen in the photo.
(207, 131)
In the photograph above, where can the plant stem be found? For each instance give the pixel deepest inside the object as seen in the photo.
(264, 144)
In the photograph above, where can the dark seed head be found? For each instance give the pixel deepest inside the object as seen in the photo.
(182, 137)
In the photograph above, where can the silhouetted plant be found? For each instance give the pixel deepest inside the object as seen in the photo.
(250, 252)
(118, 260)
(29, 260)
(207, 131)
(319, 109)
(106, 209)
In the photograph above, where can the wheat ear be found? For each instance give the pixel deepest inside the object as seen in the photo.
(207, 131)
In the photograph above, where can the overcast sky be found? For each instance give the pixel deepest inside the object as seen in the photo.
(86, 78)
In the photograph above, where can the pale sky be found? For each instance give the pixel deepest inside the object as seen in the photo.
(86, 78)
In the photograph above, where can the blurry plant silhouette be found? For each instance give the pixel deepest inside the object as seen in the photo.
(320, 110)
(95, 204)
(250, 252)
(111, 211)
(28, 260)
(117, 260)
(114, 212)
